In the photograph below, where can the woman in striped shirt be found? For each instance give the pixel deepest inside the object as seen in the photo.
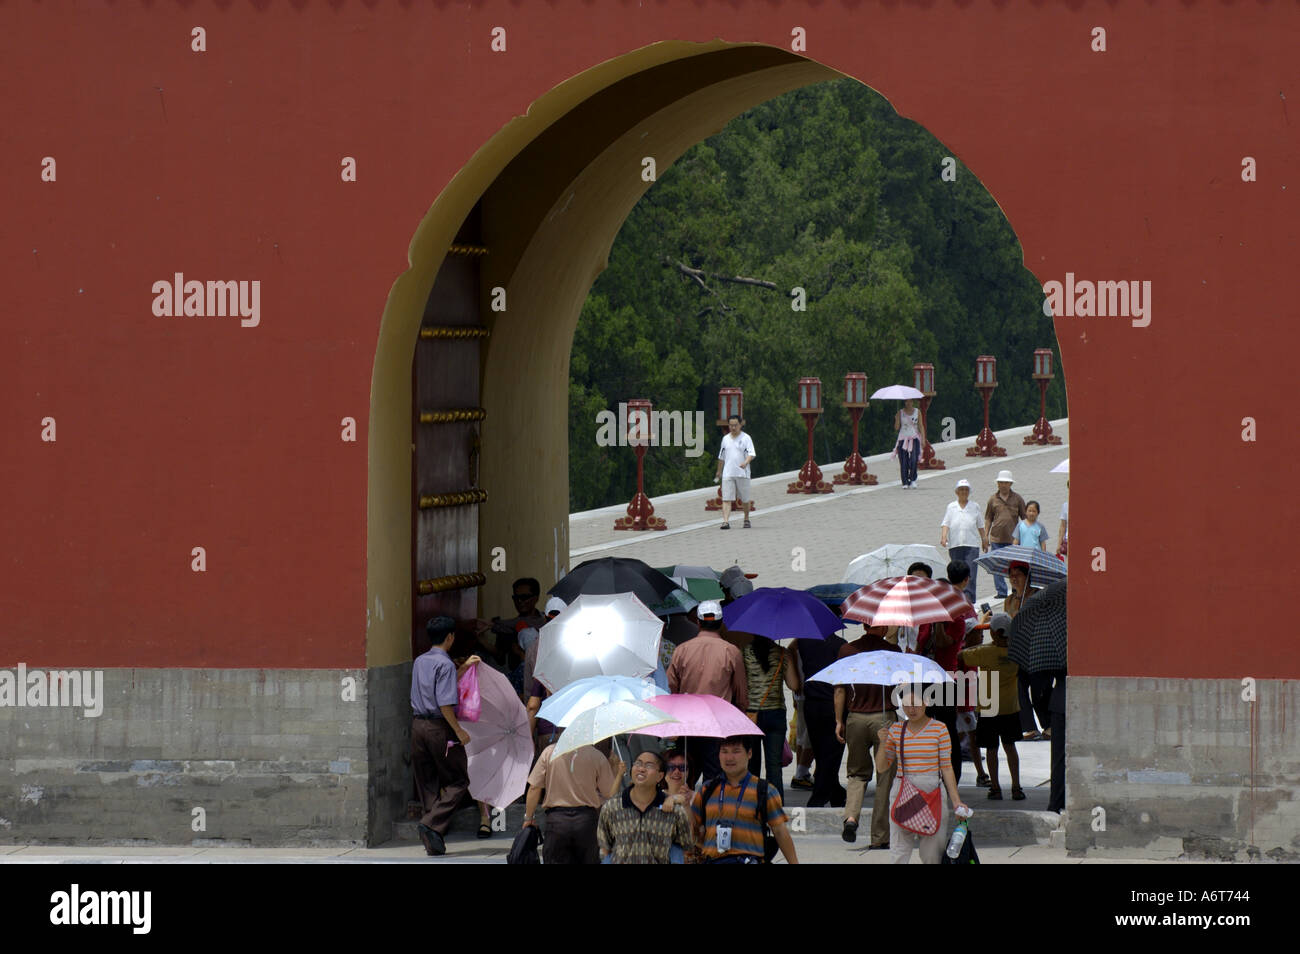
(927, 760)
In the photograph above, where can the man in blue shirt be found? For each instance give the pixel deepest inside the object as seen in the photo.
(441, 770)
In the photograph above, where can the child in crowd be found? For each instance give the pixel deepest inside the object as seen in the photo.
(1029, 532)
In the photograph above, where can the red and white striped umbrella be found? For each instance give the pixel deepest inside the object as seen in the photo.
(906, 601)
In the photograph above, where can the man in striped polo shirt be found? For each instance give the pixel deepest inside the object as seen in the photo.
(728, 820)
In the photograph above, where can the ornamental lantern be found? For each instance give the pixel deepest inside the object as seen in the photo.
(810, 396)
(731, 401)
(923, 381)
(810, 406)
(855, 399)
(923, 378)
(640, 512)
(855, 389)
(986, 379)
(1042, 433)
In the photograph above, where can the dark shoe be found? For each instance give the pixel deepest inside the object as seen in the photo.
(485, 831)
(801, 783)
(850, 832)
(983, 781)
(725, 526)
(426, 838)
(1017, 793)
(878, 846)
(436, 845)
(995, 794)
(746, 524)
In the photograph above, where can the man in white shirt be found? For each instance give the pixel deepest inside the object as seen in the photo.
(963, 533)
(733, 470)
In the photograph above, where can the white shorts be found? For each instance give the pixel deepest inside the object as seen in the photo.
(735, 488)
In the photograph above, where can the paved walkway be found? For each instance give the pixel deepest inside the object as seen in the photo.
(829, 529)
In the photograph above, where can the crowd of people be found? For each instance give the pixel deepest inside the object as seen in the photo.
(722, 801)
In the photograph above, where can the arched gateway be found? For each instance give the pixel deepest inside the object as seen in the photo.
(270, 687)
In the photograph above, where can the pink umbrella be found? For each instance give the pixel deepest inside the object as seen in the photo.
(500, 749)
(699, 715)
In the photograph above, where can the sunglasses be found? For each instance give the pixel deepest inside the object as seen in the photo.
(676, 767)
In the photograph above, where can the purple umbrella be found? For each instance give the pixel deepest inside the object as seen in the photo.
(500, 749)
(780, 613)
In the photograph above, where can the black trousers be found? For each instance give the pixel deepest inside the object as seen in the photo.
(1027, 723)
(948, 716)
(571, 837)
(828, 752)
(702, 759)
(1056, 802)
(1041, 685)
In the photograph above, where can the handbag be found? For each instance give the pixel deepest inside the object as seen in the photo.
(915, 810)
(471, 704)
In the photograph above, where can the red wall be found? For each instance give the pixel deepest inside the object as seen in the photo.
(183, 432)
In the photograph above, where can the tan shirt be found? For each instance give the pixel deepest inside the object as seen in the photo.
(1002, 516)
(708, 664)
(576, 779)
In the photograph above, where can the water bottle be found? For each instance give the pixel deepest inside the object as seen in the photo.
(957, 840)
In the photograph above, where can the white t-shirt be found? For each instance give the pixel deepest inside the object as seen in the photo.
(733, 452)
(963, 525)
(1065, 510)
(909, 425)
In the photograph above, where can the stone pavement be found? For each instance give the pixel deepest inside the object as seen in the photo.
(465, 849)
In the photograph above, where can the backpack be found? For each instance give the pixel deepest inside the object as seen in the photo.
(524, 849)
(770, 846)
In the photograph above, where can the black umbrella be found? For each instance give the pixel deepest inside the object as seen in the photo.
(1037, 638)
(615, 575)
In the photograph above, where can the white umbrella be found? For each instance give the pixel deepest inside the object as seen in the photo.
(598, 635)
(893, 559)
(897, 392)
(882, 668)
(1062, 468)
(602, 722)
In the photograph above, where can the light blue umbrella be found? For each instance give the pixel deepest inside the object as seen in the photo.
(882, 668)
(1044, 568)
(577, 697)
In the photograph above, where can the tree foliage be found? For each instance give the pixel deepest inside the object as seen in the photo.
(826, 189)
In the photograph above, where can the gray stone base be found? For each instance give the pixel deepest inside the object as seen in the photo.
(1183, 768)
(225, 757)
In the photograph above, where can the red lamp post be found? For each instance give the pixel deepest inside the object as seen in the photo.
(855, 399)
(1043, 375)
(730, 401)
(923, 381)
(640, 512)
(986, 379)
(810, 406)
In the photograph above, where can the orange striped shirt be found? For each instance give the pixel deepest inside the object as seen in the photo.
(923, 752)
